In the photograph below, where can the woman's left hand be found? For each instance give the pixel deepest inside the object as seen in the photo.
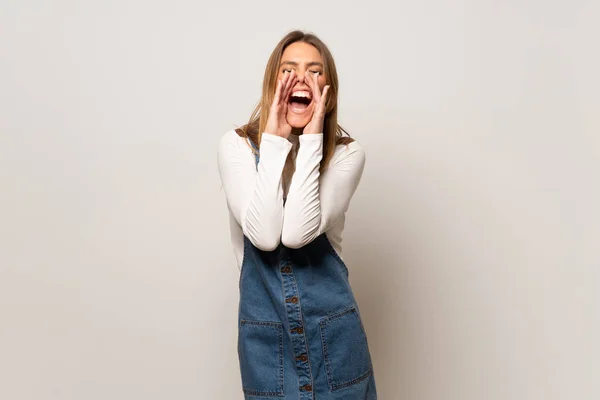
(316, 123)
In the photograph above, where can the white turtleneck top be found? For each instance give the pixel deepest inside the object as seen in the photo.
(315, 203)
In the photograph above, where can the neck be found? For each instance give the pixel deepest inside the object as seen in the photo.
(297, 131)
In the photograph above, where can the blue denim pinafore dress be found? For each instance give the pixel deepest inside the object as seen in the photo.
(300, 333)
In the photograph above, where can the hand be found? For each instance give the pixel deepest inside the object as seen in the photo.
(277, 121)
(316, 123)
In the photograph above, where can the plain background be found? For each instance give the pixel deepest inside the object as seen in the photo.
(472, 241)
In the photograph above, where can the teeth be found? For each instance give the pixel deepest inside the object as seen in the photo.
(301, 93)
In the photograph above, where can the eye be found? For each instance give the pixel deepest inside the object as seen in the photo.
(286, 69)
(316, 72)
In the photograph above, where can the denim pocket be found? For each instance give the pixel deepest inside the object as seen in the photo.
(260, 350)
(345, 349)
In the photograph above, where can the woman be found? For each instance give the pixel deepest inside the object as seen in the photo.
(288, 176)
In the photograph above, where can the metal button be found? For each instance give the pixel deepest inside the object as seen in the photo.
(286, 270)
(292, 300)
(298, 330)
(303, 357)
(307, 388)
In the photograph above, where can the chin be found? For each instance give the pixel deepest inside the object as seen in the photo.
(296, 122)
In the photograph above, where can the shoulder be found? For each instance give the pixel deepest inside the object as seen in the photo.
(351, 152)
(231, 137)
(234, 151)
(232, 141)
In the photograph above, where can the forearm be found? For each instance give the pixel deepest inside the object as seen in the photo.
(263, 221)
(316, 202)
(302, 212)
(255, 197)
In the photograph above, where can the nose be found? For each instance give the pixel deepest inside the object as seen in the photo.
(301, 77)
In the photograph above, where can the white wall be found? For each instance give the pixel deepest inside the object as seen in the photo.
(473, 240)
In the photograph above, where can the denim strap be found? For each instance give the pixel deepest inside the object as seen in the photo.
(256, 155)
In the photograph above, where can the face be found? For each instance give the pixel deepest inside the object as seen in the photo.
(305, 59)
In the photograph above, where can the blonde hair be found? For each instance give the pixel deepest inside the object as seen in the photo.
(333, 133)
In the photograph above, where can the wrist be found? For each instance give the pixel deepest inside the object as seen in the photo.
(313, 130)
(279, 134)
(312, 137)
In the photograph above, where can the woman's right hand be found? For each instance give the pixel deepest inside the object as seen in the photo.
(277, 121)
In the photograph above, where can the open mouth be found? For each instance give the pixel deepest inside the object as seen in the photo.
(299, 101)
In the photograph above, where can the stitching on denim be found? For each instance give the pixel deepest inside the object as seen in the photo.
(281, 371)
(337, 315)
(279, 327)
(272, 324)
(283, 278)
(256, 393)
(257, 260)
(299, 309)
(299, 304)
(326, 356)
(260, 323)
(353, 381)
(307, 348)
(322, 326)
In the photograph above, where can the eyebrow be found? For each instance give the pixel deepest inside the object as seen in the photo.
(309, 64)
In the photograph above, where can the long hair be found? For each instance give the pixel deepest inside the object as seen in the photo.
(333, 133)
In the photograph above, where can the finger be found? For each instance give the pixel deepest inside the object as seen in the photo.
(314, 84)
(286, 97)
(315, 79)
(289, 86)
(284, 82)
(277, 96)
(290, 82)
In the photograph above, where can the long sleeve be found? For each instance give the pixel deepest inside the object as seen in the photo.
(254, 198)
(314, 203)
